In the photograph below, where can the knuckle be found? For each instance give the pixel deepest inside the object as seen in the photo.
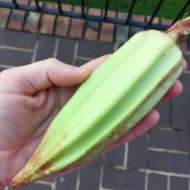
(53, 61)
(7, 72)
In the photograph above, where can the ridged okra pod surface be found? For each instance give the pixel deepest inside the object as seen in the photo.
(115, 97)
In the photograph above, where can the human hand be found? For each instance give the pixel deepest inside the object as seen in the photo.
(30, 97)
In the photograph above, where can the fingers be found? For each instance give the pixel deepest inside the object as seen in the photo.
(47, 73)
(153, 117)
(184, 65)
(92, 65)
(176, 88)
(148, 122)
(174, 91)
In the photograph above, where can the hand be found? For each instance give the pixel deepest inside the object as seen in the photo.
(30, 97)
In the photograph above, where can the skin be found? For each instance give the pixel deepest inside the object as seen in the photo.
(30, 97)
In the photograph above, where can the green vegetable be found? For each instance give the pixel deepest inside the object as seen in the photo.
(109, 103)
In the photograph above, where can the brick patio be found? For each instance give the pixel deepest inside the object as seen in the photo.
(158, 160)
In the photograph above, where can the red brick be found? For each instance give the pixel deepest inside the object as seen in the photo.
(111, 14)
(22, 2)
(16, 20)
(51, 5)
(90, 34)
(62, 26)
(77, 9)
(47, 24)
(95, 12)
(3, 17)
(77, 26)
(32, 3)
(31, 24)
(122, 15)
(138, 18)
(66, 7)
(106, 34)
(166, 21)
(7, 1)
(91, 30)
(48, 20)
(155, 20)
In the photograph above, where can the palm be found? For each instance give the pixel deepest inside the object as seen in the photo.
(25, 123)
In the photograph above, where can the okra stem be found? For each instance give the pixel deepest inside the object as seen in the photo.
(179, 29)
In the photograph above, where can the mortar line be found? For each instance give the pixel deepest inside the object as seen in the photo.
(44, 182)
(5, 66)
(101, 177)
(168, 183)
(84, 58)
(75, 53)
(78, 181)
(166, 173)
(15, 48)
(146, 181)
(163, 173)
(53, 186)
(35, 51)
(165, 129)
(168, 151)
(173, 129)
(126, 155)
(56, 47)
(186, 72)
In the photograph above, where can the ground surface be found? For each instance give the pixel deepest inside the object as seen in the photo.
(158, 160)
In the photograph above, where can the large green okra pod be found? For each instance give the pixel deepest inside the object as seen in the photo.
(109, 103)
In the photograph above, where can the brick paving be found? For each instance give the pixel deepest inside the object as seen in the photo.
(158, 160)
(75, 28)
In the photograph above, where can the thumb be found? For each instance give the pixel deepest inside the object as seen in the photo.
(44, 74)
